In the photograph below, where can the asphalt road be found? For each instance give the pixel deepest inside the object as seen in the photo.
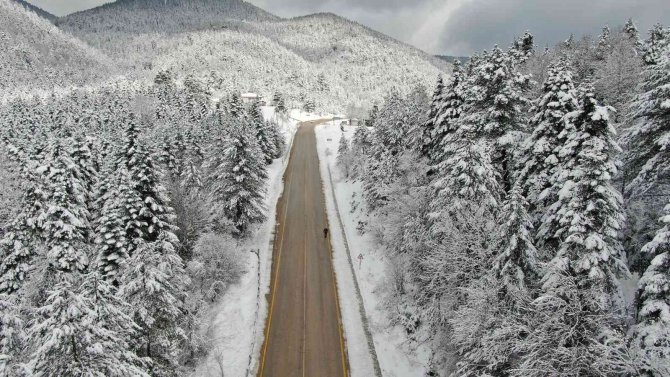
(303, 335)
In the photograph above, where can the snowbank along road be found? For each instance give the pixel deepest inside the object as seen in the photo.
(303, 335)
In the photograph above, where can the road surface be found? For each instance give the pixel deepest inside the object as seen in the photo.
(303, 335)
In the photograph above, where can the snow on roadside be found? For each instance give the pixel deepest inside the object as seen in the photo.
(396, 356)
(238, 319)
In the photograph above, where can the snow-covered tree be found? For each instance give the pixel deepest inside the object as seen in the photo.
(587, 217)
(12, 336)
(81, 330)
(538, 158)
(309, 106)
(494, 107)
(523, 47)
(518, 264)
(647, 159)
(344, 155)
(650, 338)
(146, 204)
(153, 283)
(428, 140)
(604, 44)
(654, 46)
(242, 174)
(446, 116)
(264, 136)
(65, 223)
(234, 105)
(113, 245)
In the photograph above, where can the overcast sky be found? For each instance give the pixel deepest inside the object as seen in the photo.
(459, 27)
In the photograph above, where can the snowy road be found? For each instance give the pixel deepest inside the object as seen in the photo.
(303, 332)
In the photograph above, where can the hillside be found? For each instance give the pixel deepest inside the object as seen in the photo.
(38, 55)
(337, 62)
(159, 16)
(39, 11)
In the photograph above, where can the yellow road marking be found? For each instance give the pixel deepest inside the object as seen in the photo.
(337, 298)
(276, 279)
(304, 284)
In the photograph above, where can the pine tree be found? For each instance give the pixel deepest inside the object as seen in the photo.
(538, 157)
(66, 227)
(309, 106)
(192, 177)
(112, 242)
(277, 138)
(17, 245)
(651, 335)
(264, 136)
(517, 265)
(630, 30)
(427, 139)
(523, 47)
(242, 175)
(81, 331)
(604, 45)
(446, 117)
(234, 106)
(587, 216)
(654, 47)
(467, 176)
(372, 116)
(415, 113)
(493, 107)
(12, 336)
(322, 83)
(147, 206)
(153, 284)
(343, 155)
(648, 143)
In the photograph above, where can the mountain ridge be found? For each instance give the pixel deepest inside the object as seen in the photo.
(37, 10)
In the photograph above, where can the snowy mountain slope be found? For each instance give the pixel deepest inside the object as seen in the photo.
(39, 11)
(37, 54)
(334, 61)
(159, 16)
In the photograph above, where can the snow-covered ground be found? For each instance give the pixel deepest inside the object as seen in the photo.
(396, 355)
(237, 322)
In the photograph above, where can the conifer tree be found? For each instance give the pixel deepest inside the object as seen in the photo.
(147, 208)
(654, 47)
(66, 227)
(17, 245)
(587, 217)
(82, 331)
(110, 228)
(579, 289)
(517, 265)
(604, 45)
(12, 336)
(427, 139)
(446, 117)
(538, 157)
(647, 158)
(651, 335)
(153, 283)
(343, 155)
(264, 136)
(242, 175)
(309, 106)
(493, 107)
(234, 106)
(631, 31)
